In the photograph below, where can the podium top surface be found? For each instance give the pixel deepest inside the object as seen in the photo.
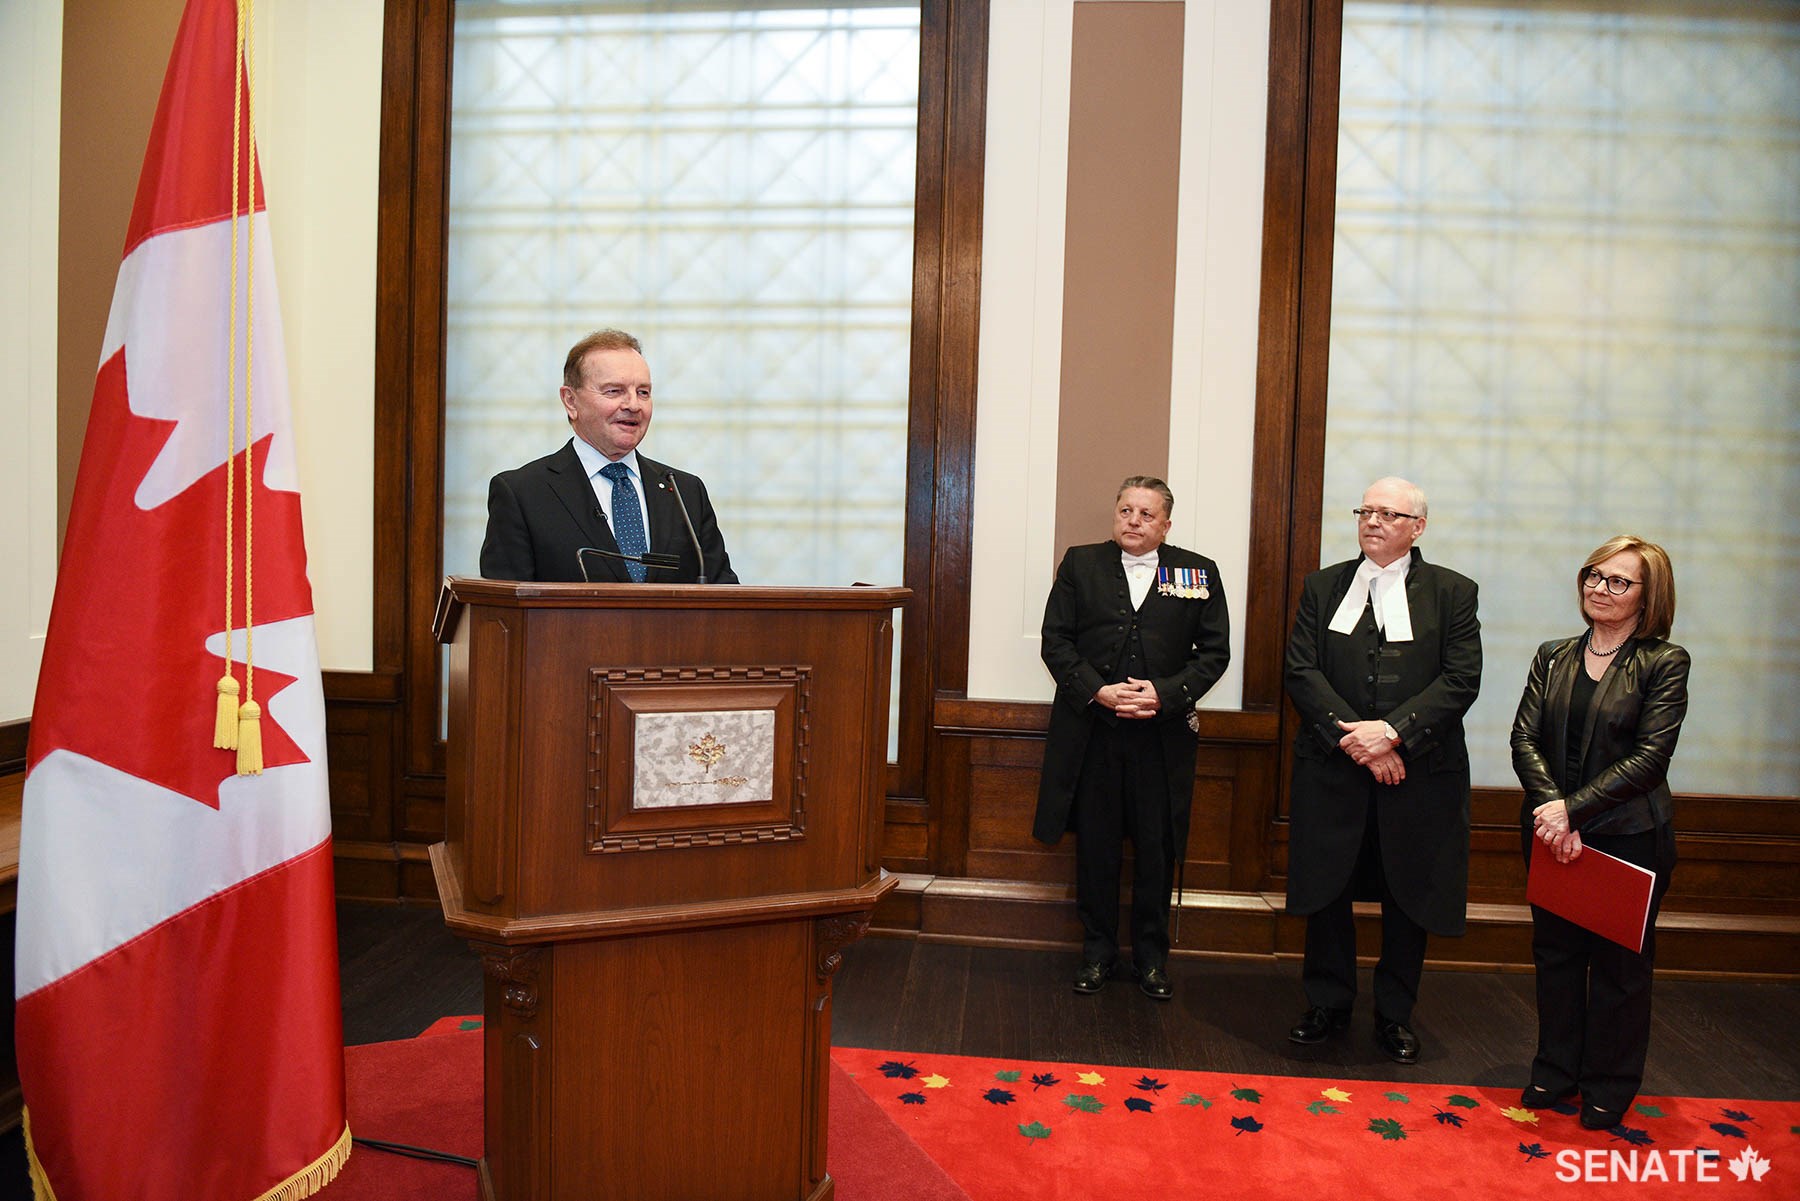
(459, 591)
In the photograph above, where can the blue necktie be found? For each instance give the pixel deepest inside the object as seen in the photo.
(627, 518)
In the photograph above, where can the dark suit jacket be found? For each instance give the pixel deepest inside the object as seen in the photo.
(1186, 648)
(1625, 746)
(541, 514)
(1422, 688)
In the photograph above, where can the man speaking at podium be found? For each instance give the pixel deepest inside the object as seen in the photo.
(596, 510)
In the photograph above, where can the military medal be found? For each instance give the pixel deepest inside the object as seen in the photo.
(1202, 591)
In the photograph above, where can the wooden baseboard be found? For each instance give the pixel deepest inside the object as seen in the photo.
(1254, 924)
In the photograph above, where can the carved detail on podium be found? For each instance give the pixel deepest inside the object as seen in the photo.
(832, 934)
(516, 970)
(618, 697)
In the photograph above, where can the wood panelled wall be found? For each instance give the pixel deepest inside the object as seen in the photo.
(961, 796)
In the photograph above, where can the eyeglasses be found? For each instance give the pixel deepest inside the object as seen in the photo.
(1384, 516)
(1618, 585)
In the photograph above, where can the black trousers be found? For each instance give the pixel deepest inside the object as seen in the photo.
(1123, 793)
(1593, 995)
(1328, 972)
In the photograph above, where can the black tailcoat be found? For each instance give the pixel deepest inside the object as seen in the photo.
(541, 514)
(1186, 646)
(1422, 688)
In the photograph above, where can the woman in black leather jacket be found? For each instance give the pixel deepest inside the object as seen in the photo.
(1591, 744)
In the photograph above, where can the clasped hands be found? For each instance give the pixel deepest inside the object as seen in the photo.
(1367, 743)
(1133, 698)
(1551, 824)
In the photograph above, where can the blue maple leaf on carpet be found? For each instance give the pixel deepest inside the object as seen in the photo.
(998, 1096)
(1150, 1084)
(1139, 1104)
(1632, 1135)
(912, 1098)
(1246, 1125)
(1044, 1080)
(893, 1069)
(1728, 1130)
(1446, 1118)
(1533, 1151)
(1564, 1108)
(1738, 1115)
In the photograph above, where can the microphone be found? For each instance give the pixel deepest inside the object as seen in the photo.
(699, 554)
(648, 559)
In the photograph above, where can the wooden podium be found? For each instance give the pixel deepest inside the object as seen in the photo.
(662, 828)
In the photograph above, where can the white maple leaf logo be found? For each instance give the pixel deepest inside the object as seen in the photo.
(1748, 1164)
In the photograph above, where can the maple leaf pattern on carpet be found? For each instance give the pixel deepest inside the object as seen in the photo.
(1282, 1137)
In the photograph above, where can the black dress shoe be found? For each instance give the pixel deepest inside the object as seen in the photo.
(1155, 983)
(1536, 1096)
(1317, 1023)
(1092, 977)
(1397, 1041)
(1595, 1118)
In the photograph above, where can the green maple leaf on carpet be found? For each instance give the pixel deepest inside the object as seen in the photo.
(1035, 1131)
(1205, 1103)
(1246, 1094)
(470, 1024)
(1322, 1106)
(1398, 1098)
(1388, 1129)
(1652, 1111)
(1085, 1102)
(1009, 1077)
(1462, 1102)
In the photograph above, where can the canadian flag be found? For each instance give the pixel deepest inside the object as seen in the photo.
(179, 1032)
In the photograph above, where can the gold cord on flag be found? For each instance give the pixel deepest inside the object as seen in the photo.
(239, 726)
(225, 717)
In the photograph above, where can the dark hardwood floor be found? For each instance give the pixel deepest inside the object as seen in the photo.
(402, 970)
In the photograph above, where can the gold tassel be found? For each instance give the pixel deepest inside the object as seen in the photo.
(225, 721)
(40, 1181)
(249, 739)
(315, 1176)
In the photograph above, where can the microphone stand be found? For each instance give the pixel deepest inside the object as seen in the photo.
(653, 561)
(699, 554)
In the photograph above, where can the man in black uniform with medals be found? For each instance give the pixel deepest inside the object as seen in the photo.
(1135, 632)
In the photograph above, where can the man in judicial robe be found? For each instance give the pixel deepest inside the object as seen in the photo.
(1135, 632)
(596, 509)
(1384, 660)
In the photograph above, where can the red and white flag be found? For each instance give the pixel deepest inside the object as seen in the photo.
(179, 1032)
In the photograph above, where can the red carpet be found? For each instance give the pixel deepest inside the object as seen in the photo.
(1010, 1129)
(426, 1091)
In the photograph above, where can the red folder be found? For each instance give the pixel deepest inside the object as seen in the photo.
(1596, 891)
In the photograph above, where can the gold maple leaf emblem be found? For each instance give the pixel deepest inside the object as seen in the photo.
(706, 752)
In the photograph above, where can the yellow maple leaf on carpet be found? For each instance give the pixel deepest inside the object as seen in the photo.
(1091, 1078)
(1335, 1094)
(1520, 1115)
(935, 1081)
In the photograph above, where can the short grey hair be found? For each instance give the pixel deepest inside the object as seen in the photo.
(1420, 506)
(1153, 484)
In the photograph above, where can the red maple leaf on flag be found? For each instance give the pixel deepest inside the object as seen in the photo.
(126, 677)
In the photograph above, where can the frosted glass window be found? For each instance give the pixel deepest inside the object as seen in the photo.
(1566, 301)
(734, 185)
